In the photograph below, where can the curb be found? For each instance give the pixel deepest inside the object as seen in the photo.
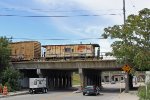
(15, 94)
(122, 93)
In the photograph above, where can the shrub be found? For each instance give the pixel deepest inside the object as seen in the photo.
(142, 92)
(10, 77)
(8, 86)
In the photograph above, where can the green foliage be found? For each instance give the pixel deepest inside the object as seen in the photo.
(4, 53)
(8, 87)
(142, 92)
(76, 79)
(108, 54)
(10, 77)
(132, 40)
(1, 85)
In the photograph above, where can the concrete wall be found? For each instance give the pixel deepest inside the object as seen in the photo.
(89, 64)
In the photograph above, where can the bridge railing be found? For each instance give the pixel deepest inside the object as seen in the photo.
(80, 56)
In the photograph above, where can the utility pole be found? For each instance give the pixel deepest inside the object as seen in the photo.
(126, 73)
(124, 11)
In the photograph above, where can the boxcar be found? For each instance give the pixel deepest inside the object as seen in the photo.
(70, 51)
(25, 50)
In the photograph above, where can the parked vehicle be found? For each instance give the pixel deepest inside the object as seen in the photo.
(37, 85)
(91, 90)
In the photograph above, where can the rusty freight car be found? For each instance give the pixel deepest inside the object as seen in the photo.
(75, 51)
(25, 50)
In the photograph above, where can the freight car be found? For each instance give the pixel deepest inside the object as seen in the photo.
(25, 50)
(69, 51)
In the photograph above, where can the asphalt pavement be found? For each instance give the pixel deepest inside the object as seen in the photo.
(109, 92)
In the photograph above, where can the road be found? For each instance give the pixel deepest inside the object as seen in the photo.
(109, 92)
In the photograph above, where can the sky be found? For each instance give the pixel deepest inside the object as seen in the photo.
(64, 21)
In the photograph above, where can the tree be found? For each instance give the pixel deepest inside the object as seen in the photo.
(10, 77)
(4, 53)
(132, 40)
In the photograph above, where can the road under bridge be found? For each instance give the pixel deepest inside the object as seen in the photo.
(59, 73)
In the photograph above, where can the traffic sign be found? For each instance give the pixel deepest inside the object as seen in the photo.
(126, 68)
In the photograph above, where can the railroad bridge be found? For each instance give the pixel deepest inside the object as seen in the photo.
(59, 73)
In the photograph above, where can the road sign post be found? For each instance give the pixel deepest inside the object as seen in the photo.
(127, 70)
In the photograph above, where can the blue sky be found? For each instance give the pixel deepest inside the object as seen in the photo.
(73, 27)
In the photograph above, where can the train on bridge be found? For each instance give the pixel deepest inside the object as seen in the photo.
(33, 50)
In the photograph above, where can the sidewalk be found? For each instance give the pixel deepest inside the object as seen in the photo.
(15, 93)
(127, 96)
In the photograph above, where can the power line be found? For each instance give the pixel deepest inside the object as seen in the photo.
(124, 11)
(49, 10)
(54, 39)
(83, 15)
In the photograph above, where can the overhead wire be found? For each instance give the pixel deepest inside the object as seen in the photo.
(82, 15)
(54, 39)
(49, 10)
(44, 10)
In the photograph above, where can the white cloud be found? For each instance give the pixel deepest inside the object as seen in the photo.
(85, 32)
(93, 7)
(92, 32)
(104, 7)
(105, 45)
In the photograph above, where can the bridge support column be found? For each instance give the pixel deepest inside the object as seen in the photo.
(70, 79)
(91, 79)
(51, 82)
(96, 79)
(67, 82)
(81, 73)
(85, 80)
(99, 80)
(39, 72)
(60, 81)
(64, 81)
(56, 81)
(88, 79)
(126, 82)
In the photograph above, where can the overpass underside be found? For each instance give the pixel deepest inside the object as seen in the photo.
(59, 74)
(58, 79)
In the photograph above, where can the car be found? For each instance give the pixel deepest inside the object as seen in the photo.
(91, 90)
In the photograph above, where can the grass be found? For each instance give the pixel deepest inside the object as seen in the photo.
(76, 79)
